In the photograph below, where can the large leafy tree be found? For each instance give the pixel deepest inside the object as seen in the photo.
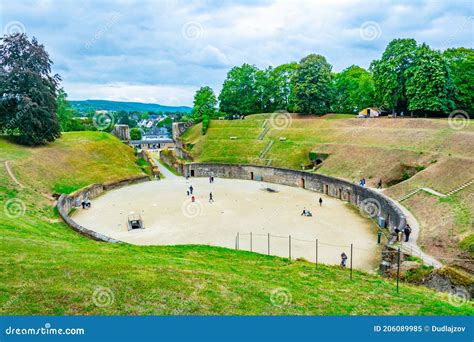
(205, 103)
(312, 84)
(354, 90)
(239, 91)
(27, 91)
(204, 108)
(429, 86)
(461, 64)
(389, 73)
(280, 86)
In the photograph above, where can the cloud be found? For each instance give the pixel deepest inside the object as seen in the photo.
(121, 48)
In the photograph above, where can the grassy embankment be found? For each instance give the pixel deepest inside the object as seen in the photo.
(405, 153)
(49, 269)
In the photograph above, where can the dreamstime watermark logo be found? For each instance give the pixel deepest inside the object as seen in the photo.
(14, 208)
(192, 209)
(183, 128)
(104, 29)
(458, 119)
(103, 121)
(370, 207)
(370, 30)
(458, 297)
(103, 296)
(14, 27)
(280, 297)
(17, 295)
(280, 120)
(192, 30)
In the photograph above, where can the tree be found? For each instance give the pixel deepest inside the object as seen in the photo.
(65, 112)
(312, 84)
(353, 90)
(389, 73)
(238, 94)
(27, 91)
(124, 118)
(279, 87)
(135, 134)
(205, 103)
(429, 86)
(461, 64)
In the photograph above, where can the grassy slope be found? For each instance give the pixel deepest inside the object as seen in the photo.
(374, 149)
(49, 269)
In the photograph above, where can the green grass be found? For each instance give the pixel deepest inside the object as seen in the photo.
(49, 269)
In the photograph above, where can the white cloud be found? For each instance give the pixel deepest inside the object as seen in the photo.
(162, 94)
(143, 49)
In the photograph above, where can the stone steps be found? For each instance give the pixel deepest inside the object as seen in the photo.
(264, 132)
(436, 193)
(462, 187)
(265, 151)
(409, 195)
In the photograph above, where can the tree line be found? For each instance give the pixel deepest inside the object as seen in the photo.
(409, 77)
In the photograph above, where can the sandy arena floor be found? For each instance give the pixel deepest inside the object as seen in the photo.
(242, 207)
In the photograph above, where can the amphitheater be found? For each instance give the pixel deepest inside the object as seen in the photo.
(255, 208)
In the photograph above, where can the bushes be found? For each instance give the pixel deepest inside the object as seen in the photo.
(467, 244)
(205, 124)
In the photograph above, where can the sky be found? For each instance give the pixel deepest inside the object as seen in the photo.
(162, 51)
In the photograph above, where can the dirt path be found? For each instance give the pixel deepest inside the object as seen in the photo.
(11, 175)
(411, 247)
(164, 171)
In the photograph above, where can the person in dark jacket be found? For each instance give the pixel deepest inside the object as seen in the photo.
(407, 232)
(343, 260)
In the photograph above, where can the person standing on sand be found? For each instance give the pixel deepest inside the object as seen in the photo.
(191, 189)
(211, 199)
(343, 260)
(320, 201)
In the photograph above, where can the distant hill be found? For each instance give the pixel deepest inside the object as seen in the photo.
(91, 105)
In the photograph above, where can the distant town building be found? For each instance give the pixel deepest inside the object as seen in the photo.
(153, 143)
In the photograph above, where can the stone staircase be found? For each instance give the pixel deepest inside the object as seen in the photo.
(436, 193)
(409, 195)
(264, 132)
(266, 149)
(459, 188)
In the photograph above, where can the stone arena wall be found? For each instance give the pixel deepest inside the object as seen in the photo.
(66, 203)
(359, 196)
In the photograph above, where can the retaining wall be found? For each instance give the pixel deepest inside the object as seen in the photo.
(359, 196)
(68, 202)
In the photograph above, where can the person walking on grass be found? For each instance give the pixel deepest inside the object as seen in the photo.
(343, 260)
(211, 199)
